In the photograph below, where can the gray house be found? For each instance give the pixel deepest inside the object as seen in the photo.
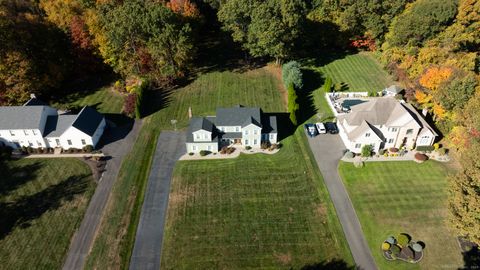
(231, 126)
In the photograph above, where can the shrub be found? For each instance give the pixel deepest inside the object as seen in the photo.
(372, 94)
(358, 164)
(223, 150)
(328, 85)
(385, 246)
(403, 240)
(190, 154)
(265, 145)
(88, 148)
(293, 106)
(349, 154)
(382, 152)
(393, 150)
(395, 250)
(425, 148)
(292, 75)
(129, 105)
(442, 151)
(248, 147)
(420, 157)
(44, 150)
(204, 153)
(367, 150)
(436, 146)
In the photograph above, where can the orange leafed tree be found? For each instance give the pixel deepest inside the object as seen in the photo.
(422, 97)
(434, 77)
(184, 7)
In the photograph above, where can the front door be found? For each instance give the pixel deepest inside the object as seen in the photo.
(57, 141)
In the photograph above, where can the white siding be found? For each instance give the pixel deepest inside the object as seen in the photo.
(197, 147)
(202, 136)
(251, 136)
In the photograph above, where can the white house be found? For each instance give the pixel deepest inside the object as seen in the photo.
(37, 125)
(384, 123)
(238, 125)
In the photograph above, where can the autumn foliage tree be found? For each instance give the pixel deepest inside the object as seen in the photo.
(184, 7)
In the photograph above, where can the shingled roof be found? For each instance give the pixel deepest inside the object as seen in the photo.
(238, 116)
(88, 120)
(21, 117)
(56, 125)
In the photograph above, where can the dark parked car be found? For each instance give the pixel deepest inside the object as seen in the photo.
(311, 130)
(331, 128)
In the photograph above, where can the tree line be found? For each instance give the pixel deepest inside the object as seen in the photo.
(430, 46)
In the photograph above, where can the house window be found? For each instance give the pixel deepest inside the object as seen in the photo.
(34, 132)
(69, 142)
(30, 143)
(255, 141)
(194, 148)
(390, 140)
(209, 148)
(246, 142)
(393, 129)
(272, 136)
(246, 132)
(57, 141)
(367, 134)
(255, 132)
(83, 142)
(409, 131)
(237, 129)
(25, 132)
(358, 145)
(205, 136)
(11, 133)
(197, 136)
(39, 143)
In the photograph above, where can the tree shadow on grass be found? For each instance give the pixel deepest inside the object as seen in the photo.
(24, 210)
(12, 179)
(155, 100)
(471, 255)
(312, 80)
(329, 265)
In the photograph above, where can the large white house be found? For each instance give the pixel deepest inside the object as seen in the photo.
(37, 125)
(384, 123)
(238, 125)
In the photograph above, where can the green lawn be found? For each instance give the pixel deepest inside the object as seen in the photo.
(42, 202)
(103, 99)
(256, 211)
(361, 72)
(395, 197)
(113, 246)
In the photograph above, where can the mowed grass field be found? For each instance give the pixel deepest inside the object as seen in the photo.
(396, 197)
(361, 72)
(257, 211)
(113, 245)
(42, 203)
(103, 99)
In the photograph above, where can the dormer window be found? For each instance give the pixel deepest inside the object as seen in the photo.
(34, 132)
(237, 129)
(12, 133)
(25, 132)
(205, 136)
(246, 132)
(197, 136)
(367, 134)
(255, 132)
(409, 131)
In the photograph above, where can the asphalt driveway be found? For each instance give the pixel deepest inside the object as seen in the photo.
(328, 149)
(121, 144)
(148, 241)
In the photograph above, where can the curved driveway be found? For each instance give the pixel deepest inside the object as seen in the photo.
(328, 149)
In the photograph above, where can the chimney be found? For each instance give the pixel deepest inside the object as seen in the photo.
(189, 112)
(424, 112)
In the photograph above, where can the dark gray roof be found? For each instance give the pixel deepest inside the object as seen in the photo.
(57, 124)
(238, 116)
(35, 102)
(21, 117)
(198, 123)
(232, 135)
(269, 124)
(88, 120)
(394, 89)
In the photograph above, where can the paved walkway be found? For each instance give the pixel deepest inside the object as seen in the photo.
(147, 250)
(328, 149)
(84, 236)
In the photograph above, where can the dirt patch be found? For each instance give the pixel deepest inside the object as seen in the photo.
(276, 71)
(177, 198)
(320, 210)
(284, 258)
